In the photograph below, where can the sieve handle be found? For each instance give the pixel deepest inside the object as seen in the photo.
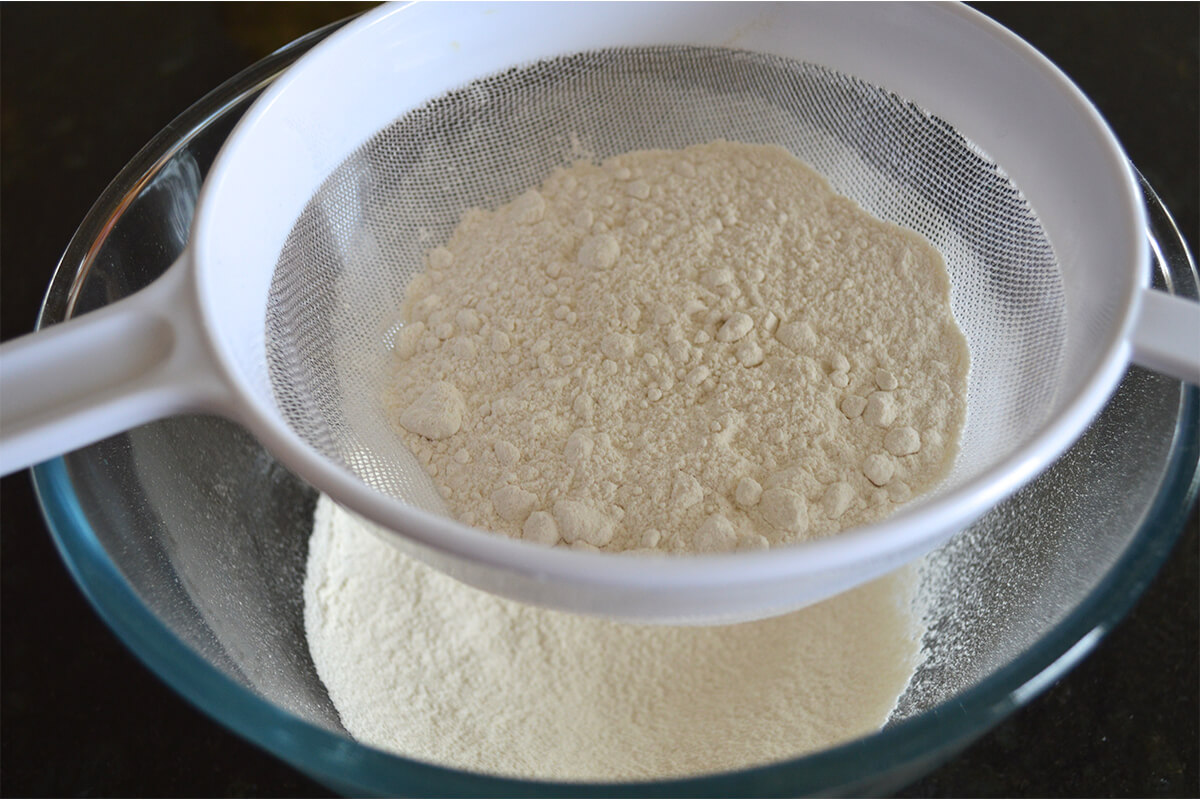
(131, 362)
(1166, 335)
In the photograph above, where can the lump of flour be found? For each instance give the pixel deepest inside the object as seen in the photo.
(706, 349)
(424, 666)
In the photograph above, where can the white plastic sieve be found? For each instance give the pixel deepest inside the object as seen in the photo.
(364, 154)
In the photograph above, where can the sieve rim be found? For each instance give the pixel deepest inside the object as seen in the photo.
(912, 530)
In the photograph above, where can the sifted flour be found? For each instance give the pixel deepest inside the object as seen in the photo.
(424, 666)
(700, 350)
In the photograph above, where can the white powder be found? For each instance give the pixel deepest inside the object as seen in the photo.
(684, 351)
(419, 664)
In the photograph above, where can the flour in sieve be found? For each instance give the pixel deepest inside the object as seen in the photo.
(419, 664)
(696, 350)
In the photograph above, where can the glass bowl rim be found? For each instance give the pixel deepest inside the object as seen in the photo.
(332, 758)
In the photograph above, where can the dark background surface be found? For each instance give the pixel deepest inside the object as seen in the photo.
(84, 87)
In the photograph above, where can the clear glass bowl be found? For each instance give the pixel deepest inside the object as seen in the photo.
(190, 540)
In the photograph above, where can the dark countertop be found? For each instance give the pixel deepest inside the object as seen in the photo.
(84, 87)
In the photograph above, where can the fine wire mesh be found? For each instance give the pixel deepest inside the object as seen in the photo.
(342, 273)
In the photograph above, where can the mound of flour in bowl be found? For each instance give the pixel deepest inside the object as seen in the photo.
(687, 351)
(421, 665)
